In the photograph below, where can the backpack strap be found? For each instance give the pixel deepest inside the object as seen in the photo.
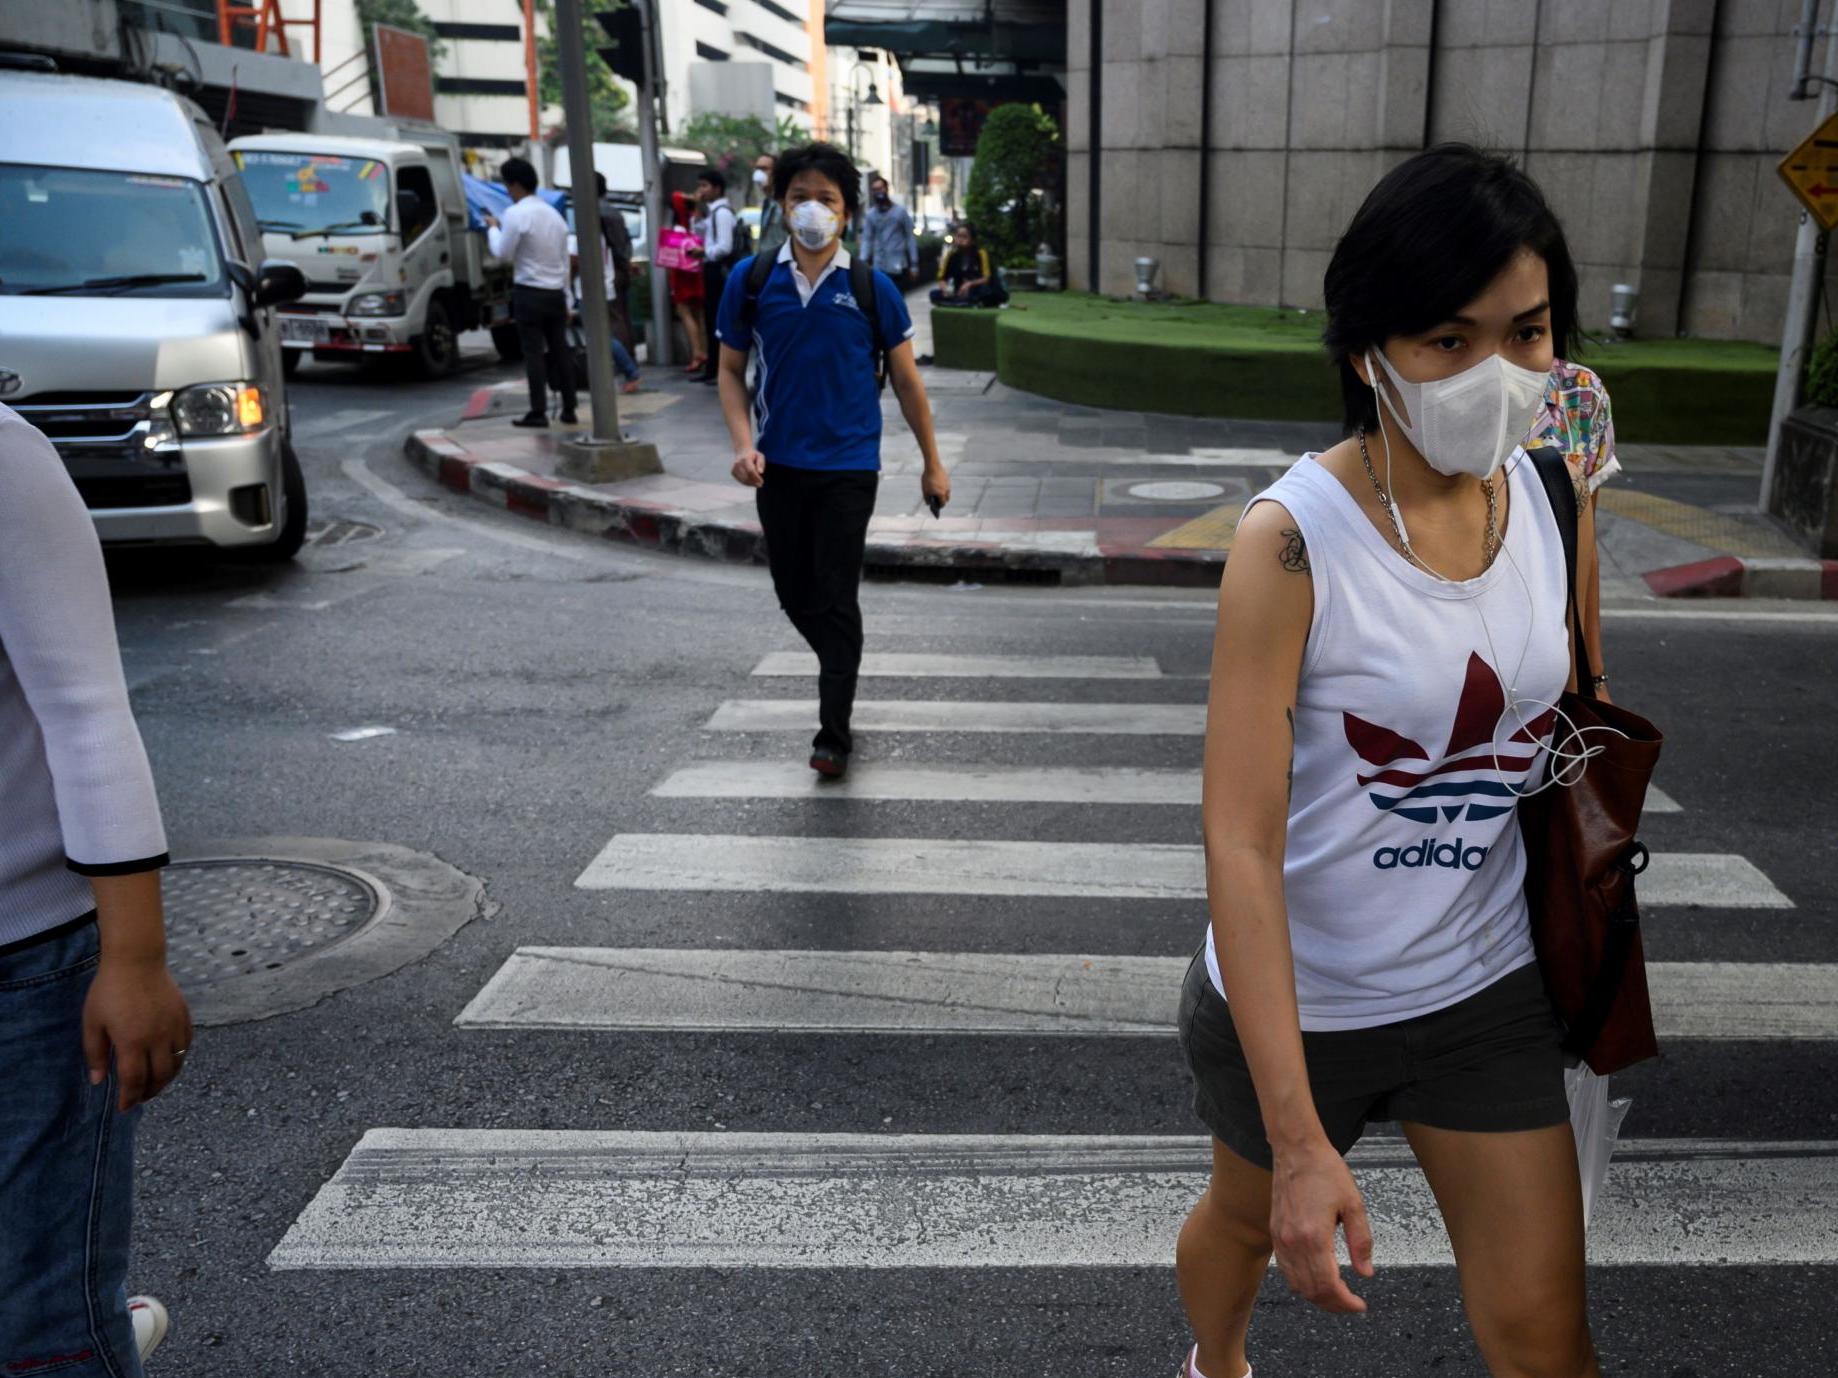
(861, 283)
(759, 268)
(1560, 489)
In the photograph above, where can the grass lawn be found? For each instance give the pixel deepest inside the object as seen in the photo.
(1203, 359)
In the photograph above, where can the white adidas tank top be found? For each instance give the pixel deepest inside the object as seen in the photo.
(1404, 873)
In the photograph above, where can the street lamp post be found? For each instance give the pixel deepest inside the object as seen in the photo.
(873, 98)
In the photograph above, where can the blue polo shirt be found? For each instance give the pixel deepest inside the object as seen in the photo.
(816, 404)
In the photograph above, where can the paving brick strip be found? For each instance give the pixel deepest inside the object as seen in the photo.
(1066, 551)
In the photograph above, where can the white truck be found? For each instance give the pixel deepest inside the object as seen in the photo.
(381, 230)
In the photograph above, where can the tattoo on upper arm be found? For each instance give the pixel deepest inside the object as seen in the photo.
(1294, 555)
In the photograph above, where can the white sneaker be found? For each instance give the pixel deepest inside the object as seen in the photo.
(150, 1323)
(1187, 1368)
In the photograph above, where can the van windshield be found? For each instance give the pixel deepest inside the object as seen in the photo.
(70, 230)
(305, 194)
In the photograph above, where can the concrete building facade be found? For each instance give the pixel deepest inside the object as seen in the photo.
(784, 35)
(1236, 157)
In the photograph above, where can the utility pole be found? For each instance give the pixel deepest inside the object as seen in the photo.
(663, 339)
(602, 454)
(1808, 252)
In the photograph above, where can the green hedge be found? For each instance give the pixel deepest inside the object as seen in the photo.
(1203, 359)
(965, 337)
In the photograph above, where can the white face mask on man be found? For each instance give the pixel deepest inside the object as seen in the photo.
(759, 177)
(813, 225)
(1468, 423)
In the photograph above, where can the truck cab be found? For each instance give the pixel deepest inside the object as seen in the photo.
(137, 315)
(381, 230)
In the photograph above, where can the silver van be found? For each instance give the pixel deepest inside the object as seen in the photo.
(136, 328)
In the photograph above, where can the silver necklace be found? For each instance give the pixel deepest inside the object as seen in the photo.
(1490, 539)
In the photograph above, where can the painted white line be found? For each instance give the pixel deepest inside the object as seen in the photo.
(267, 602)
(392, 497)
(905, 665)
(946, 715)
(969, 784)
(954, 866)
(1825, 621)
(506, 1198)
(688, 990)
(334, 422)
(1195, 459)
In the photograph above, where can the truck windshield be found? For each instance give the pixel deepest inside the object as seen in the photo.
(68, 230)
(305, 194)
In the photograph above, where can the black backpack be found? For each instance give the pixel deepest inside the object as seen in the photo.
(861, 283)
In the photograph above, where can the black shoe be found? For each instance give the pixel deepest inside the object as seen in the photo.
(534, 420)
(830, 763)
(570, 419)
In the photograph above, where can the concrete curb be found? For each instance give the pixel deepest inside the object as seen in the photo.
(1732, 576)
(659, 526)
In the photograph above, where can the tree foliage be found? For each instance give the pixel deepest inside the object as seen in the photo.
(732, 142)
(606, 94)
(1822, 373)
(1013, 154)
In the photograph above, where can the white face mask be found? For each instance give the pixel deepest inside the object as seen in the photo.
(814, 224)
(759, 176)
(1467, 424)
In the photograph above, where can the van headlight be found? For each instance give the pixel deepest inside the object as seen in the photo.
(378, 304)
(219, 409)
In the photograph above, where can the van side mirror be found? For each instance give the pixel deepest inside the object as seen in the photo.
(279, 281)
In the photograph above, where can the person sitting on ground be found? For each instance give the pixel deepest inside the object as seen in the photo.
(965, 275)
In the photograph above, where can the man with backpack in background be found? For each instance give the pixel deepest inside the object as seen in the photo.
(724, 242)
(772, 230)
(829, 330)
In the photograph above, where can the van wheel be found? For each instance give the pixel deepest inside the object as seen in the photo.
(508, 342)
(437, 347)
(293, 528)
(290, 362)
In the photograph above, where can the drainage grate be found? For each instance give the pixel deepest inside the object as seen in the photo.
(342, 533)
(231, 918)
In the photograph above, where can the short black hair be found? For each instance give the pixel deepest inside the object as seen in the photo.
(874, 177)
(714, 176)
(517, 172)
(824, 159)
(1430, 237)
(600, 184)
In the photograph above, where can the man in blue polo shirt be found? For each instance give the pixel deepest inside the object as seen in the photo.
(810, 439)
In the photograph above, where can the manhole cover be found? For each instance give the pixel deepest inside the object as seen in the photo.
(1175, 490)
(231, 918)
(342, 533)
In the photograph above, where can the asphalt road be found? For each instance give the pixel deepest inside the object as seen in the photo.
(539, 685)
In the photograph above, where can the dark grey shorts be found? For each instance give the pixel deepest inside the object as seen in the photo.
(1492, 1063)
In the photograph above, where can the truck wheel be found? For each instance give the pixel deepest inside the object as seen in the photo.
(293, 529)
(437, 347)
(508, 342)
(290, 362)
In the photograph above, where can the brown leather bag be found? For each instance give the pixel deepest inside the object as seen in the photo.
(1582, 853)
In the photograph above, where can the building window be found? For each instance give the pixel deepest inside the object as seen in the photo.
(709, 53)
(791, 102)
(776, 54)
(478, 86)
(491, 33)
(716, 5)
(780, 11)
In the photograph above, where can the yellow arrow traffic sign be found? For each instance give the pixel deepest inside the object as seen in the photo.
(1811, 173)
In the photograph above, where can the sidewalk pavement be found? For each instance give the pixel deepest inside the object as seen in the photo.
(1047, 492)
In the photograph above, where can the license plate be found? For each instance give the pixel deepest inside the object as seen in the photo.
(303, 330)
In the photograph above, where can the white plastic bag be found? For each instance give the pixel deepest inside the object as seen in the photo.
(1596, 1122)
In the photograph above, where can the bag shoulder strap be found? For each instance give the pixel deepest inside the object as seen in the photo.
(861, 283)
(758, 270)
(1560, 489)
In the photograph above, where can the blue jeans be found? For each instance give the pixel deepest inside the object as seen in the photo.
(623, 362)
(66, 1175)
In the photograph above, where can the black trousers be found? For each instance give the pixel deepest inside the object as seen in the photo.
(619, 309)
(714, 283)
(542, 324)
(816, 525)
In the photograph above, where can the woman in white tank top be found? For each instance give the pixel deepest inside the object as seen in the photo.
(1392, 636)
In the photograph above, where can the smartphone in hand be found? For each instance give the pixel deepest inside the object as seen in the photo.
(936, 503)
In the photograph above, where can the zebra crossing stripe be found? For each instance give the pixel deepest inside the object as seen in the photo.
(921, 665)
(949, 715)
(506, 1198)
(742, 779)
(1103, 870)
(689, 990)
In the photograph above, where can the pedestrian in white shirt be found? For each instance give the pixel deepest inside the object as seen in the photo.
(534, 237)
(718, 223)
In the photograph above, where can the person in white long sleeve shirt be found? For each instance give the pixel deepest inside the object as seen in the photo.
(534, 237)
(91, 1022)
(718, 223)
